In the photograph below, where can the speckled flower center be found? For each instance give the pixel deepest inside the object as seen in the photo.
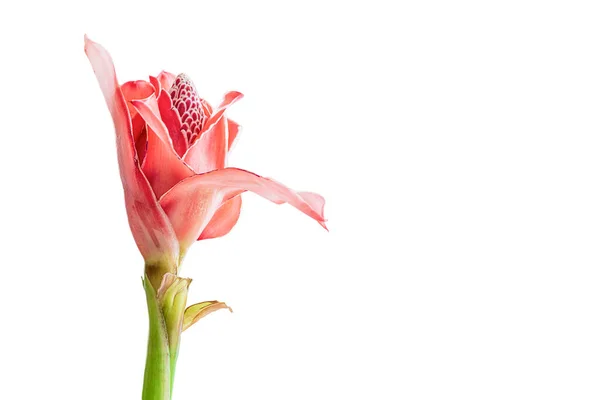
(189, 106)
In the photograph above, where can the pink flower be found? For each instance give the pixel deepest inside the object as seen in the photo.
(172, 149)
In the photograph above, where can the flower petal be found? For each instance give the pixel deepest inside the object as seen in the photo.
(140, 136)
(229, 99)
(171, 119)
(136, 90)
(148, 109)
(155, 84)
(209, 152)
(192, 203)
(233, 131)
(200, 310)
(149, 224)
(162, 166)
(166, 80)
(206, 107)
(224, 219)
(314, 200)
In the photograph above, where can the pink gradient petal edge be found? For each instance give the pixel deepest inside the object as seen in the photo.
(162, 166)
(149, 224)
(135, 90)
(234, 130)
(224, 219)
(172, 121)
(209, 152)
(166, 80)
(155, 84)
(192, 203)
(229, 99)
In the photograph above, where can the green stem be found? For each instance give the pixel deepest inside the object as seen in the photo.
(157, 375)
(166, 309)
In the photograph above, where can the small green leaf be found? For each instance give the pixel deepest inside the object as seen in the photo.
(200, 310)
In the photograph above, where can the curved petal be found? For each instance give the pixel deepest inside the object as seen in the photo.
(206, 107)
(192, 203)
(229, 99)
(162, 166)
(149, 224)
(171, 119)
(155, 84)
(140, 137)
(234, 130)
(135, 90)
(148, 109)
(166, 80)
(224, 219)
(315, 201)
(209, 152)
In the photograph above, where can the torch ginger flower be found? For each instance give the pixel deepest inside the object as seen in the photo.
(172, 150)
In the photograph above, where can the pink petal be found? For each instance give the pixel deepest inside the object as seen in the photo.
(162, 166)
(206, 107)
(192, 203)
(234, 129)
(224, 219)
(229, 99)
(148, 109)
(209, 152)
(166, 80)
(315, 201)
(149, 224)
(140, 137)
(171, 119)
(135, 90)
(156, 84)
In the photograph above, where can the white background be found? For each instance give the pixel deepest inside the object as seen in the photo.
(457, 145)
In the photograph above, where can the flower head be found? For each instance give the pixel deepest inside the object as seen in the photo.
(172, 148)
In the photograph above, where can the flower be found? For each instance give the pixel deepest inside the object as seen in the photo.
(172, 148)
